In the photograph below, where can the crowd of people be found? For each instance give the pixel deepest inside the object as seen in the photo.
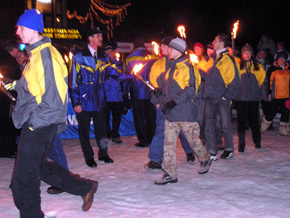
(170, 95)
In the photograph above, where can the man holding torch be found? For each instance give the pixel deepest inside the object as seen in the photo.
(182, 95)
(156, 148)
(143, 110)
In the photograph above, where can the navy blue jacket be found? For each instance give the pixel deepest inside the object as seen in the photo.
(138, 90)
(113, 88)
(86, 80)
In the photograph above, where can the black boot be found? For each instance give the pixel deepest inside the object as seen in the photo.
(54, 190)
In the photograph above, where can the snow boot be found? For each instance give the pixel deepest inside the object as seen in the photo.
(166, 178)
(264, 125)
(284, 129)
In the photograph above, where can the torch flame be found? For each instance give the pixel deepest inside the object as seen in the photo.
(193, 58)
(181, 30)
(66, 58)
(117, 56)
(1, 76)
(70, 55)
(235, 29)
(155, 47)
(137, 68)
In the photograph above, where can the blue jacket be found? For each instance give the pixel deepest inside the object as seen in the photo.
(140, 55)
(86, 80)
(113, 88)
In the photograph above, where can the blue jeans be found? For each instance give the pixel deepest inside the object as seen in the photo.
(214, 107)
(156, 146)
(57, 154)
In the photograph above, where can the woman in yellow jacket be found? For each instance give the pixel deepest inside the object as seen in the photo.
(249, 96)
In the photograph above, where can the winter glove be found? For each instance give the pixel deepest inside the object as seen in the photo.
(168, 106)
(157, 92)
(126, 105)
(7, 83)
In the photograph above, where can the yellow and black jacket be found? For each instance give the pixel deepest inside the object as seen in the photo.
(42, 89)
(251, 82)
(181, 83)
(223, 79)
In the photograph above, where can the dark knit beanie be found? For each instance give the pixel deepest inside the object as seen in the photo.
(247, 47)
(166, 40)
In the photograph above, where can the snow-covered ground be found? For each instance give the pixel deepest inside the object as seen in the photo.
(253, 184)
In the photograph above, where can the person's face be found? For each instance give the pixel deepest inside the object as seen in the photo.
(96, 40)
(27, 36)
(14, 52)
(173, 54)
(164, 49)
(246, 55)
(280, 46)
(281, 61)
(198, 50)
(111, 53)
(21, 58)
(217, 44)
(262, 55)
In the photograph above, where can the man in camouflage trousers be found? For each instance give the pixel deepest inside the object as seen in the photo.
(181, 96)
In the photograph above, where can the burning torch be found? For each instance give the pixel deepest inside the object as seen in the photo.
(193, 58)
(181, 30)
(135, 71)
(155, 47)
(118, 56)
(234, 33)
(8, 94)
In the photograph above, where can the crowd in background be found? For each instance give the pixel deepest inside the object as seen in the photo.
(263, 81)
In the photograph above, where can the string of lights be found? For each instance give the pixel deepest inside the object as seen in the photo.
(99, 9)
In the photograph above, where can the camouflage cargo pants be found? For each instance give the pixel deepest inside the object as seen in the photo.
(191, 132)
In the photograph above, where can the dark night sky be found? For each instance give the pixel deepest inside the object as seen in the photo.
(152, 19)
(203, 19)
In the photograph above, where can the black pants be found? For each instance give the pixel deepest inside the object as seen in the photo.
(32, 166)
(266, 106)
(248, 111)
(275, 105)
(144, 115)
(99, 122)
(8, 133)
(114, 108)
